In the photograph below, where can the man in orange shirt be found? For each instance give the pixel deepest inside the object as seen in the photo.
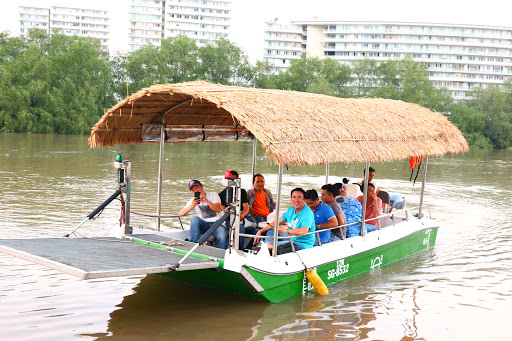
(261, 203)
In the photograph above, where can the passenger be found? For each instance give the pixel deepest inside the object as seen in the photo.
(208, 210)
(329, 193)
(371, 174)
(373, 208)
(353, 211)
(351, 190)
(324, 217)
(339, 186)
(261, 203)
(244, 206)
(300, 221)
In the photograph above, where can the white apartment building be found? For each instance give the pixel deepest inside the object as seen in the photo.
(146, 21)
(202, 20)
(81, 22)
(284, 43)
(459, 57)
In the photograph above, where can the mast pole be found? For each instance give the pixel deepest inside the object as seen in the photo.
(254, 145)
(160, 175)
(420, 212)
(128, 176)
(365, 194)
(278, 204)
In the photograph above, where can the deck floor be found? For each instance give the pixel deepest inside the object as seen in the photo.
(103, 257)
(203, 249)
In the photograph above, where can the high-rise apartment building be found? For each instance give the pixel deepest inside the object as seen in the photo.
(458, 57)
(146, 23)
(82, 22)
(202, 20)
(284, 43)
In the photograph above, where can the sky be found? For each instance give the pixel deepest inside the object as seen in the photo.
(248, 16)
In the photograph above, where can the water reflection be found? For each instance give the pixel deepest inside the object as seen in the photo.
(161, 308)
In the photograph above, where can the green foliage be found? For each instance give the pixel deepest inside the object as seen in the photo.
(180, 60)
(365, 77)
(52, 83)
(61, 84)
(408, 81)
(175, 61)
(486, 120)
(263, 77)
(223, 62)
(307, 74)
(472, 123)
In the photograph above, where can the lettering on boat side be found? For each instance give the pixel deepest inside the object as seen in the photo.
(376, 262)
(426, 240)
(340, 269)
(306, 284)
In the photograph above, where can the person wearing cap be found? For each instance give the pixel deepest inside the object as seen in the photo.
(208, 210)
(352, 209)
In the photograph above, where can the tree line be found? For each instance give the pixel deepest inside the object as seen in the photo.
(61, 84)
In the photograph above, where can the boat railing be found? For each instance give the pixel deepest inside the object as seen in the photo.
(342, 228)
(164, 216)
(406, 211)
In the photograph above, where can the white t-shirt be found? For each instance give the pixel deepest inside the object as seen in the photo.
(204, 211)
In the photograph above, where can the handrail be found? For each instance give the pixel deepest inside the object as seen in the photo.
(163, 216)
(337, 227)
(290, 237)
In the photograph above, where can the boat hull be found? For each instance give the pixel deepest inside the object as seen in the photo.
(275, 287)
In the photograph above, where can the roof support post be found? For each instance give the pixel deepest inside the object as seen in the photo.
(236, 225)
(254, 147)
(420, 212)
(278, 204)
(160, 174)
(365, 196)
(327, 173)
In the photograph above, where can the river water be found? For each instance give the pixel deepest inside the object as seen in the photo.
(459, 290)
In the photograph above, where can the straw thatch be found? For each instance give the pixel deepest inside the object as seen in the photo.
(295, 127)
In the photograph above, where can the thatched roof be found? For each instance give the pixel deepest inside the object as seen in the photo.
(295, 127)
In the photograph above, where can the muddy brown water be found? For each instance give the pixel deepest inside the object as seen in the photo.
(459, 290)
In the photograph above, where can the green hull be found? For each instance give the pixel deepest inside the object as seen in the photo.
(277, 287)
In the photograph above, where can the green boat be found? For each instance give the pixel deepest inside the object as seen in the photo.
(294, 128)
(277, 278)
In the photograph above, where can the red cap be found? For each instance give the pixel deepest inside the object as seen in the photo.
(228, 175)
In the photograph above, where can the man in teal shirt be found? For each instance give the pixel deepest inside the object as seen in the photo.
(299, 221)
